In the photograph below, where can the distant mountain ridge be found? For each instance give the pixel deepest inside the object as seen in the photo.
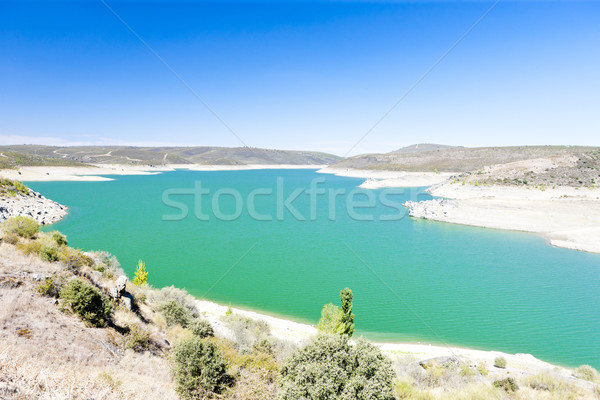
(77, 155)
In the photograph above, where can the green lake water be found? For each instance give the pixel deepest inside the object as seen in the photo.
(413, 280)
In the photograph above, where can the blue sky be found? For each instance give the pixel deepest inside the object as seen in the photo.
(293, 75)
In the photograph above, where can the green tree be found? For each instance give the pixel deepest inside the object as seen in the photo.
(338, 320)
(141, 274)
(331, 319)
(347, 317)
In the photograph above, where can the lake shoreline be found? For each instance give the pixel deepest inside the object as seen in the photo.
(378, 179)
(97, 172)
(301, 333)
(566, 217)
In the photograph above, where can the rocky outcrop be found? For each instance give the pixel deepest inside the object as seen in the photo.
(34, 205)
(430, 209)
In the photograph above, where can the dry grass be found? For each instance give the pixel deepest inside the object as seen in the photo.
(45, 354)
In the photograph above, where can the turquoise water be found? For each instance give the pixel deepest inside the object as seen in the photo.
(418, 280)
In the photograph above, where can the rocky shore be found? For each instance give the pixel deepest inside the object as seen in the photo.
(34, 205)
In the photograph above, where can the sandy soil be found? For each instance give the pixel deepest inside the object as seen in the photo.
(376, 179)
(93, 173)
(568, 217)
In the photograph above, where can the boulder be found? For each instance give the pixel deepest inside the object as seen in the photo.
(119, 289)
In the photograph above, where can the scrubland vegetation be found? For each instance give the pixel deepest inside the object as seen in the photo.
(12, 188)
(73, 328)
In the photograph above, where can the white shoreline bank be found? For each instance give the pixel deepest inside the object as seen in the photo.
(95, 172)
(377, 179)
(299, 334)
(567, 217)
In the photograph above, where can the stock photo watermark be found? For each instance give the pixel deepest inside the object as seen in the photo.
(358, 204)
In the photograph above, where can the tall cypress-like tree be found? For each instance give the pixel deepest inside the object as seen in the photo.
(347, 317)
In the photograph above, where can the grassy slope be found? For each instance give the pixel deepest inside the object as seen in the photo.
(27, 154)
(456, 159)
(12, 159)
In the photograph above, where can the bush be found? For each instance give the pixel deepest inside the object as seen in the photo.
(106, 263)
(165, 294)
(50, 287)
(247, 331)
(201, 328)
(25, 227)
(507, 384)
(59, 238)
(587, 372)
(199, 369)
(74, 259)
(330, 368)
(87, 302)
(11, 238)
(48, 253)
(175, 313)
(31, 247)
(500, 362)
(137, 339)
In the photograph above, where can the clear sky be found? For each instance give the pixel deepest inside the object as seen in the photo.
(294, 75)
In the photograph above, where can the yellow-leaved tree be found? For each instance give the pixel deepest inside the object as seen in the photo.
(141, 274)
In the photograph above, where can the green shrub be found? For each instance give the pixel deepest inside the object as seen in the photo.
(137, 339)
(330, 368)
(87, 302)
(263, 346)
(50, 287)
(201, 328)
(59, 238)
(587, 372)
(48, 253)
(482, 369)
(338, 320)
(199, 369)
(175, 313)
(500, 362)
(25, 227)
(507, 384)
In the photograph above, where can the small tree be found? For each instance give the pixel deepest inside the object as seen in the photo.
(331, 319)
(199, 369)
(338, 320)
(141, 274)
(347, 317)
